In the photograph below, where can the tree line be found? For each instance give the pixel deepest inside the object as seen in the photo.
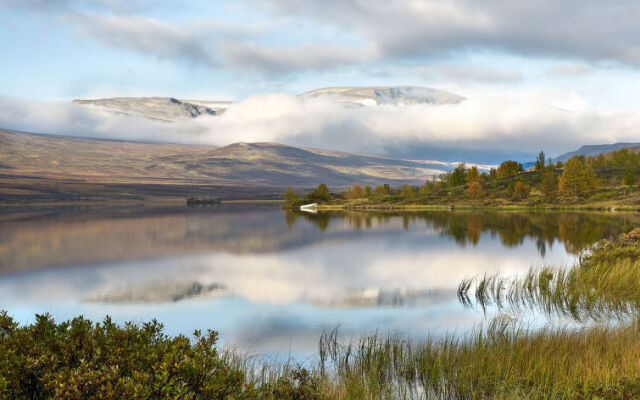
(578, 178)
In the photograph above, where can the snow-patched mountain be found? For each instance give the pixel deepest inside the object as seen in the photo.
(392, 95)
(162, 108)
(173, 109)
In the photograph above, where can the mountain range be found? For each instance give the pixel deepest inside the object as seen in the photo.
(40, 167)
(173, 109)
(37, 167)
(595, 149)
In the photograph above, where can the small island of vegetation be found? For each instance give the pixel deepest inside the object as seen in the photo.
(601, 182)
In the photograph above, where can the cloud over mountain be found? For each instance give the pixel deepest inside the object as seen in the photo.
(473, 129)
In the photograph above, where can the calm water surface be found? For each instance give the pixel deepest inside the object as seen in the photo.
(270, 282)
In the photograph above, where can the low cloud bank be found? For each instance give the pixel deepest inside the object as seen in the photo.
(474, 130)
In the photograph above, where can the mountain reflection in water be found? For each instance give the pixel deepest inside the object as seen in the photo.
(271, 280)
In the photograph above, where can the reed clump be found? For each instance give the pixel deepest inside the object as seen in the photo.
(604, 285)
(500, 361)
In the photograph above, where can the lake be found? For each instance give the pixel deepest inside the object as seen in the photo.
(272, 281)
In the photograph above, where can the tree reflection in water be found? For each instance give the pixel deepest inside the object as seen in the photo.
(575, 230)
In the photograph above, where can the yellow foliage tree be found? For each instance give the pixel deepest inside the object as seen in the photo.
(355, 192)
(473, 175)
(578, 179)
(521, 190)
(474, 190)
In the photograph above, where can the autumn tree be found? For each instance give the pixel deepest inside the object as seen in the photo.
(427, 188)
(509, 168)
(540, 162)
(549, 185)
(577, 179)
(321, 193)
(290, 196)
(355, 192)
(474, 190)
(435, 188)
(520, 190)
(407, 192)
(368, 191)
(457, 176)
(380, 191)
(472, 175)
(629, 176)
(598, 161)
(623, 158)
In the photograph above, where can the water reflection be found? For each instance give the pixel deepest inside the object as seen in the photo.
(273, 281)
(575, 230)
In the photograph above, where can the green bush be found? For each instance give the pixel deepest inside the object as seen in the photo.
(81, 360)
(78, 360)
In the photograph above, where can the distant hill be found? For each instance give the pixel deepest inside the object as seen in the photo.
(594, 150)
(45, 167)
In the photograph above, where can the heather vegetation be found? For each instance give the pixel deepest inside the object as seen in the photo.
(606, 180)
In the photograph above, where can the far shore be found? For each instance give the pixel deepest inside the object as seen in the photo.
(427, 207)
(159, 202)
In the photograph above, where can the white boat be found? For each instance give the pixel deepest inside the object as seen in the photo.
(309, 208)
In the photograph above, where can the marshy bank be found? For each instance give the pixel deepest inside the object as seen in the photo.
(594, 354)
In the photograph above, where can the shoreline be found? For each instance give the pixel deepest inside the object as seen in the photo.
(330, 207)
(443, 207)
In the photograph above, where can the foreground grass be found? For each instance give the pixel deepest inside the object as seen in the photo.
(501, 360)
(77, 360)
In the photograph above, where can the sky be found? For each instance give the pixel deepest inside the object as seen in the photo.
(537, 74)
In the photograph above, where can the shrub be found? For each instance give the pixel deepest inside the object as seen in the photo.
(77, 360)
(520, 191)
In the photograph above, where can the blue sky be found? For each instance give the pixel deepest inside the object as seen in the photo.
(580, 56)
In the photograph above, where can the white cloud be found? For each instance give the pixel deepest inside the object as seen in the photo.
(591, 30)
(465, 74)
(148, 36)
(63, 118)
(306, 56)
(471, 126)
